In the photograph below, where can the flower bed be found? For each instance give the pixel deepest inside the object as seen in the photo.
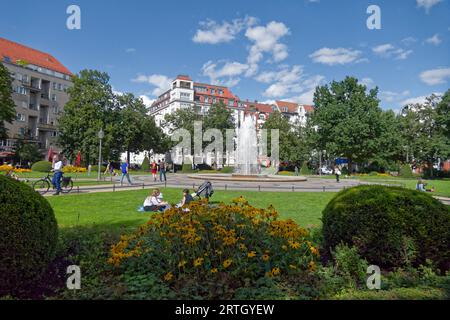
(229, 244)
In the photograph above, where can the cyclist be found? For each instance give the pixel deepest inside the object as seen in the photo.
(57, 173)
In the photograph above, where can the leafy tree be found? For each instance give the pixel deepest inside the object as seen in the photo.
(348, 120)
(7, 106)
(90, 108)
(27, 151)
(138, 131)
(431, 139)
(220, 117)
(292, 144)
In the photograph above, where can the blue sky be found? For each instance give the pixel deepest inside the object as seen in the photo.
(264, 50)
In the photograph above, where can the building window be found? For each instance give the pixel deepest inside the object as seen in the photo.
(53, 97)
(21, 90)
(206, 99)
(20, 117)
(231, 103)
(221, 92)
(55, 109)
(197, 98)
(214, 99)
(185, 85)
(213, 91)
(60, 87)
(54, 85)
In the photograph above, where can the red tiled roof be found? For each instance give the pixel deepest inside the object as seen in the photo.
(16, 51)
(308, 108)
(260, 107)
(226, 92)
(184, 77)
(292, 107)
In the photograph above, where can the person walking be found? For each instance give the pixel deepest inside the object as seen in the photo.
(154, 170)
(338, 173)
(57, 173)
(125, 167)
(162, 171)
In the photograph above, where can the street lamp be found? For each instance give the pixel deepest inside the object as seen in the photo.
(101, 135)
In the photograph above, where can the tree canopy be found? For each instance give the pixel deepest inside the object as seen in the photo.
(7, 105)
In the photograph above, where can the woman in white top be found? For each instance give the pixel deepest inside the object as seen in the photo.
(57, 173)
(154, 203)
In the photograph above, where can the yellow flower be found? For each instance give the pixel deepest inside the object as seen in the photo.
(214, 270)
(312, 266)
(265, 257)
(295, 245)
(276, 271)
(198, 262)
(251, 254)
(242, 246)
(292, 266)
(284, 247)
(314, 251)
(168, 276)
(227, 263)
(182, 263)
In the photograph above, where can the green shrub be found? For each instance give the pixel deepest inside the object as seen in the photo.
(305, 170)
(95, 169)
(28, 233)
(145, 164)
(406, 171)
(42, 166)
(187, 168)
(390, 226)
(227, 170)
(349, 264)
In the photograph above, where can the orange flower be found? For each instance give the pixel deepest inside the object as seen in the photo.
(227, 263)
(168, 276)
(265, 257)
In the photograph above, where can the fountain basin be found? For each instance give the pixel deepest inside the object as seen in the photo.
(248, 178)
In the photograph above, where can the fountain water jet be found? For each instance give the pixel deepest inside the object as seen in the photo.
(247, 148)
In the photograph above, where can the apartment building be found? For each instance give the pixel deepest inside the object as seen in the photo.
(39, 84)
(185, 93)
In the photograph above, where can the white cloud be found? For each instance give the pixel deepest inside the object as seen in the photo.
(266, 40)
(368, 82)
(335, 56)
(161, 82)
(435, 76)
(212, 32)
(147, 100)
(408, 41)
(130, 50)
(427, 4)
(288, 80)
(228, 70)
(390, 96)
(418, 100)
(434, 40)
(388, 50)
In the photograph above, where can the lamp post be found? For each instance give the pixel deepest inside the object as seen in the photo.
(101, 135)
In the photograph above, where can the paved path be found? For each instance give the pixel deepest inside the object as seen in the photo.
(183, 181)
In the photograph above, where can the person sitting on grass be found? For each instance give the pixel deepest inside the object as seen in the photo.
(420, 186)
(187, 198)
(154, 203)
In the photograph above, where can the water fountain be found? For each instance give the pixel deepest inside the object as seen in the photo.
(247, 167)
(247, 148)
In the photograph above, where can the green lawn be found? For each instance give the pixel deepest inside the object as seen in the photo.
(119, 209)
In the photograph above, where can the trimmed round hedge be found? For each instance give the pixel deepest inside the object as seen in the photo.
(390, 226)
(28, 233)
(42, 166)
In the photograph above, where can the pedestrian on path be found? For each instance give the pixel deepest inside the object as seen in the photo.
(125, 167)
(338, 173)
(154, 170)
(162, 171)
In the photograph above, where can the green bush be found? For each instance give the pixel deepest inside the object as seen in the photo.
(42, 166)
(95, 169)
(406, 171)
(145, 164)
(305, 170)
(29, 234)
(187, 168)
(390, 226)
(227, 170)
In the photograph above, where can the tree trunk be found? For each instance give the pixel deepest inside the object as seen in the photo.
(128, 156)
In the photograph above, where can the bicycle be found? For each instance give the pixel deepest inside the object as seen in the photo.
(43, 185)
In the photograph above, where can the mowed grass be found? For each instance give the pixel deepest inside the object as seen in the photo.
(119, 209)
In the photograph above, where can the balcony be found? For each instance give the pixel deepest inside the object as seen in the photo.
(45, 125)
(45, 96)
(33, 106)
